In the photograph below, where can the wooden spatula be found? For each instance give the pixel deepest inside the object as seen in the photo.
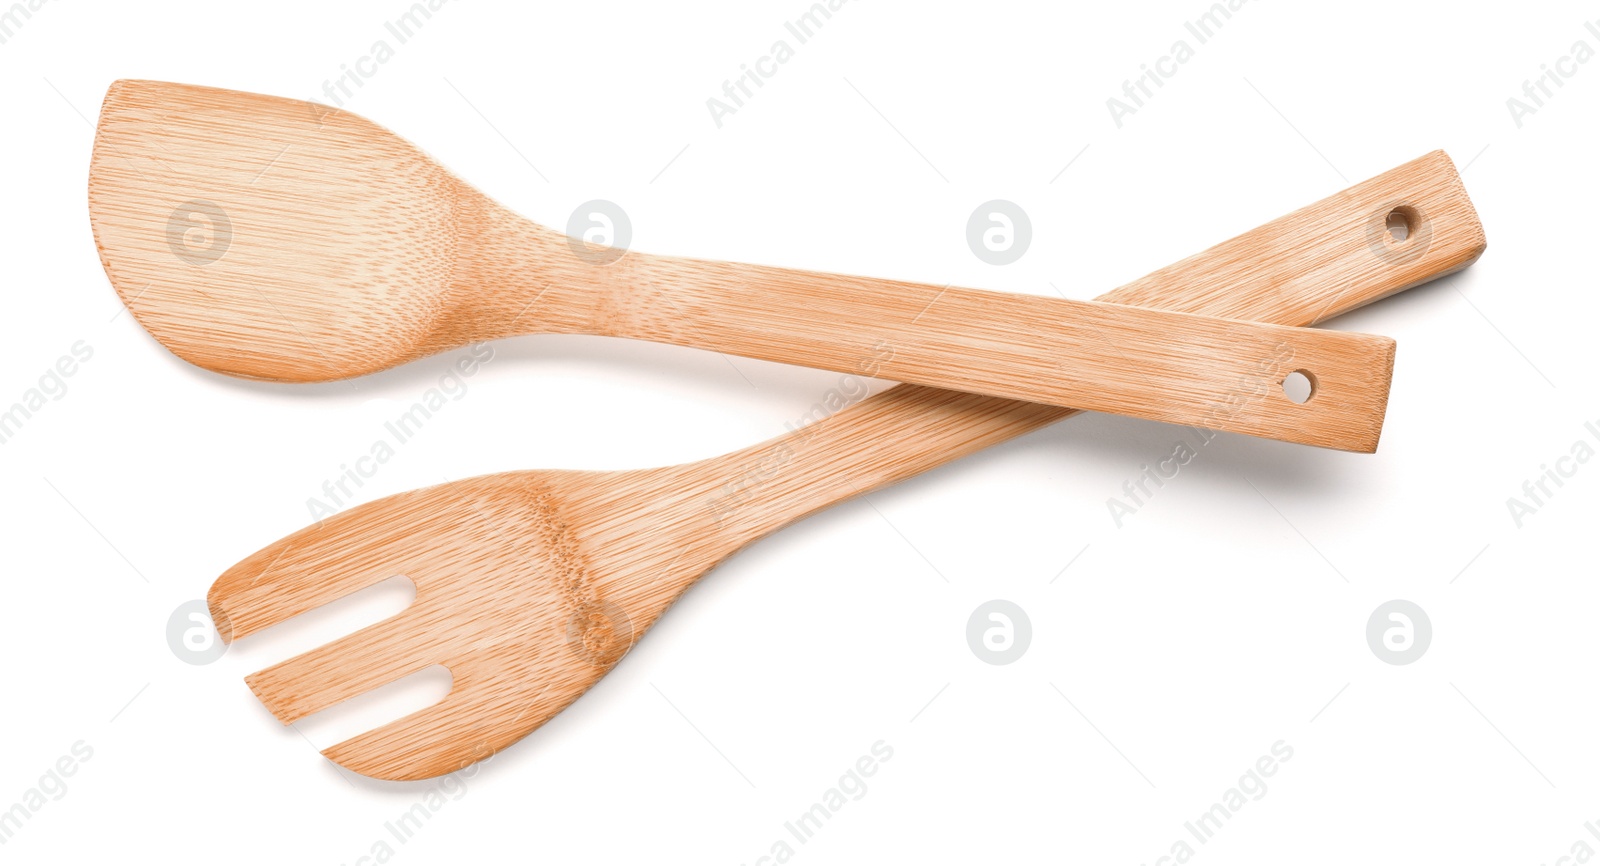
(531, 585)
(279, 239)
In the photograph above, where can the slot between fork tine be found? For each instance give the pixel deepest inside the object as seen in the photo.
(352, 665)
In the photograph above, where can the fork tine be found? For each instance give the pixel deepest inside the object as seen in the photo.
(494, 701)
(469, 725)
(325, 562)
(433, 741)
(356, 663)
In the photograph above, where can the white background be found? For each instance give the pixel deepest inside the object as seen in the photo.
(1226, 615)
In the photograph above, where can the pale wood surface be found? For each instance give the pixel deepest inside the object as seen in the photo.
(347, 250)
(532, 585)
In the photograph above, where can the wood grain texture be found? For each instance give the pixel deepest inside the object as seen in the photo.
(532, 585)
(278, 239)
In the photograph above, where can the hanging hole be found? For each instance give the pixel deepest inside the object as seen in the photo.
(1401, 224)
(1299, 386)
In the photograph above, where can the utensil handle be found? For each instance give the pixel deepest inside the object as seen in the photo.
(1311, 265)
(1158, 364)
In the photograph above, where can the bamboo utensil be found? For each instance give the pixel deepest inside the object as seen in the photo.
(531, 585)
(277, 239)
